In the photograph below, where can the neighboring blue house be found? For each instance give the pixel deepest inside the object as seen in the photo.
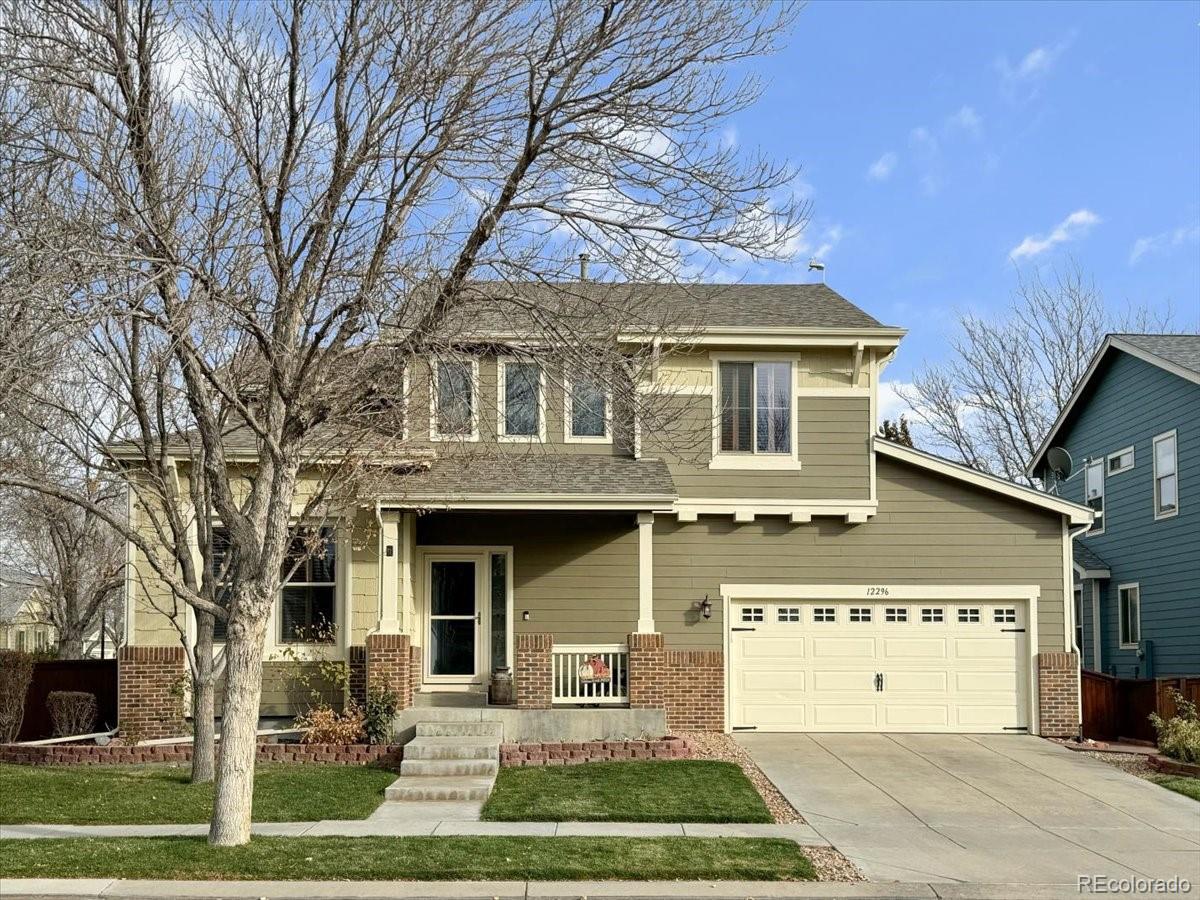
(1132, 427)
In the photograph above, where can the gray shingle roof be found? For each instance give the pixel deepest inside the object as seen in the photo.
(1086, 558)
(1181, 349)
(574, 475)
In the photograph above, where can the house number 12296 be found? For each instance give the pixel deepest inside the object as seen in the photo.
(877, 592)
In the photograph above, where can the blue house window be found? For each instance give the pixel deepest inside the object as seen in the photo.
(1129, 608)
(1166, 479)
(1093, 487)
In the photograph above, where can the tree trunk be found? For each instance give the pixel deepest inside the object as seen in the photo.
(70, 643)
(203, 702)
(230, 825)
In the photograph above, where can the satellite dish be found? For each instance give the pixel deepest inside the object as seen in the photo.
(1060, 463)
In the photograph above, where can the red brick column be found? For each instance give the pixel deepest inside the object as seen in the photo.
(389, 666)
(1058, 694)
(533, 679)
(149, 692)
(357, 682)
(694, 690)
(646, 671)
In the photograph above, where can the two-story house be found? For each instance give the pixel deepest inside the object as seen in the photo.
(789, 572)
(1132, 428)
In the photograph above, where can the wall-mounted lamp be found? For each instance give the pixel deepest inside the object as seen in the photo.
(706, 607)
(525, 616)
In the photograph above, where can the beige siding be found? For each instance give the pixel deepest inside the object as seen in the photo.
(364, 577)
(832, 444)
(576, 574)
(929, 530)
(816, 367)
(288, 688)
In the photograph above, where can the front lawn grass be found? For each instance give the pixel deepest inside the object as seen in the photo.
(161, 794)
(678, 790)
(409, 858)
(1180, 784)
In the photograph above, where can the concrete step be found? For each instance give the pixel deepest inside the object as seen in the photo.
(449, 787)
(452, 748)
(460, 729)
(425, 767)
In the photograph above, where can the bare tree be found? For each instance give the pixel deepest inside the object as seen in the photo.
(269, 210)
(991, 404)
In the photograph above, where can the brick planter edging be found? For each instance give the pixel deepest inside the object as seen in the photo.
(555, 753)
(122, 755)
(1169, 766)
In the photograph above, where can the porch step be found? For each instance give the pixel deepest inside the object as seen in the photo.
(421, 767)
(459, 729)
(466, 747)
(440, 787)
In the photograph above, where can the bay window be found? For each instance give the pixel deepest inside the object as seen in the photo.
(521, 404)
(453, 413)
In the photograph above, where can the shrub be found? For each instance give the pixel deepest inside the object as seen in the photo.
(72, 712)
(1179, 736)
(378, 715)
(16, 674)
(327, 726)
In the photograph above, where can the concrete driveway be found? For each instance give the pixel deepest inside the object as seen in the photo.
(980, 808)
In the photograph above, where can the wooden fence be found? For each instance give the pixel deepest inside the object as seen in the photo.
(95, 676)
(1120, 707)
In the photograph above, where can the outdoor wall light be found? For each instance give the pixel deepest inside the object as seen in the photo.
(706, 607)
(525, 616)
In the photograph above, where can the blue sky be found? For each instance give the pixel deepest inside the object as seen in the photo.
(944, 144)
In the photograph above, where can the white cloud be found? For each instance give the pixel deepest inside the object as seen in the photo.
(1164, 242)
(966, 119)
(1023, 77)
(1072, 228)
(922, 140)
(882, 168)
(815, 242)
(891, 404)
(729, 137)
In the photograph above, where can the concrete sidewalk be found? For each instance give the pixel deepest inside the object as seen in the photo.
(15, 888)
(801, 834)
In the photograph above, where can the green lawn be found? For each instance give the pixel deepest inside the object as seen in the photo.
(678, 790)
(159, 794)
(409, 859)
(1180, 784)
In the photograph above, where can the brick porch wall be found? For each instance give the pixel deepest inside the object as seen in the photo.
(149, 699)
(1058, 694)
(389, 666)
(533, 679)
(646, 672)
(688, 684)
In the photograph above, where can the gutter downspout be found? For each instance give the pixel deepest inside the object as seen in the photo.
(1070, 552)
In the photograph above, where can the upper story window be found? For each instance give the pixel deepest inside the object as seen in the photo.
(309, 595)
(521, 407)
(454, 413)
(755, 412)
(1093, 493)
(588, 416)
(1166, 478)
(1121, 461)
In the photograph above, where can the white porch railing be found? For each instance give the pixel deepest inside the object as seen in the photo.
(571, 690)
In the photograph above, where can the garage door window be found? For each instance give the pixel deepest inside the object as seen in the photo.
(788, 614)
(860, 614)
(824, 614)
(968, 615)
(752, 614)
(933, 614)
(896, 614)
(1004, 615)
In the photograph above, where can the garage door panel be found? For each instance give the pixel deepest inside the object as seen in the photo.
(915, 666)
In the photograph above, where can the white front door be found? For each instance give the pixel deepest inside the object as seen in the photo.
(453, 601)
(903, 666)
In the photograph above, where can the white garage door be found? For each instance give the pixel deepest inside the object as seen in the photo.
(814, 665)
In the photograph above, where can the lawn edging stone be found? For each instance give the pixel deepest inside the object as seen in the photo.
(127, 755)
(559, 753)
(1168, 766)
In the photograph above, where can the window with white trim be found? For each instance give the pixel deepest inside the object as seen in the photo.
(219, 566)
(308, 598)
(752, 613)
(454, 398)
(968, 615)
(1166, 477)
(1093, 492)
(895, 614)
(1121, 461)
(522, 399)
(1129, 612)
(824, 614)
(587, 410)
(1004, 615)
(787, 614)
(932, 614)
(755, 407)
(860, 614)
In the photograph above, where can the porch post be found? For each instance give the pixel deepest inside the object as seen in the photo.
(389, 573)
(407, 552)
(645, 523)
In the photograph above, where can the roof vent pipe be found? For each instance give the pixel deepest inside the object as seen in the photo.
(583, 264)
